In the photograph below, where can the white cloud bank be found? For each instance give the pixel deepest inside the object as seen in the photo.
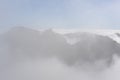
(22, 59)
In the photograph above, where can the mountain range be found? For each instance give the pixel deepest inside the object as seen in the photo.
(72, 49)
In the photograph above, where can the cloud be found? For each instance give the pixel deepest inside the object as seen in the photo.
(27, 54)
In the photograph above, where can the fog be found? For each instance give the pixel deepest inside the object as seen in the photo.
(27, 54)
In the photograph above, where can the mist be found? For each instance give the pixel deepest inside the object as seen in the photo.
(27, 54)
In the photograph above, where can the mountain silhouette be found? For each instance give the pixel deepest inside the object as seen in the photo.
(24, 43)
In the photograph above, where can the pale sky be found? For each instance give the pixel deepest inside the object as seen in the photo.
(60, 13)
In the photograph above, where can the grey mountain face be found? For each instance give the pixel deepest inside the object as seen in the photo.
(92, 48)
(23, 43)
(118, 34)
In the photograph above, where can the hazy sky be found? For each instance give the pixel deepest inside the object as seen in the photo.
(60, 13)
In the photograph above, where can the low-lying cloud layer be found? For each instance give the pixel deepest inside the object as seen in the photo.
(28, 54)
